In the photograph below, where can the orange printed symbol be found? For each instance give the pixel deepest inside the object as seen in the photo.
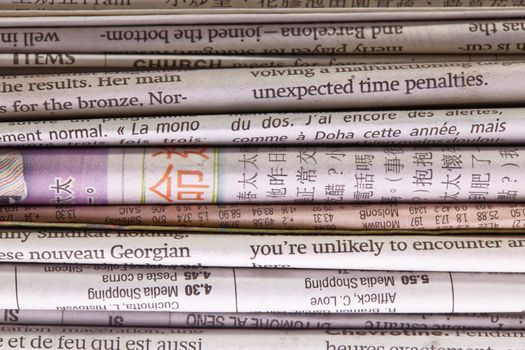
(184, 178)
(183, 153)
(187, 179)
(165, 179)
(190, 196)
(181, 183)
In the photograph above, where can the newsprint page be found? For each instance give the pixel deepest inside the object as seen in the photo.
(262, 174)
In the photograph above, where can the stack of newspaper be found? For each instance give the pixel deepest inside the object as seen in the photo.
(285, 174)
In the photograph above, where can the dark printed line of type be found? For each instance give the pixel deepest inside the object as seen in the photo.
(235, 285)
(453, 294)
(16, 288)
(122, 175)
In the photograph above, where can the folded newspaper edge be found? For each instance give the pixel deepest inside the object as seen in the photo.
(198, 289)
(262, 320)
(260, 89)
(402, 253)
(234, 5)
(93, 338)
(50, 62)
(443, 127)
(9, 18)
(417, 218)
(251, 175)
(393, 37)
